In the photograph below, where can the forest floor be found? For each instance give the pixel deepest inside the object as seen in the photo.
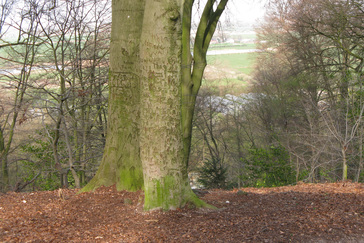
(332, 212)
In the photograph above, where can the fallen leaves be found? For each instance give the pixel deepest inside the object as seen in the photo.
(301, 213)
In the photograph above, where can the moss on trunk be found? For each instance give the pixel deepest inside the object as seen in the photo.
(152, 100)
(168, 193)
(121, 164)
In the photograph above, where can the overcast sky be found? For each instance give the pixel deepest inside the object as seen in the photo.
(246, 10)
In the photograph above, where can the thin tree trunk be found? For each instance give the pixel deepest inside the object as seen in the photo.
(360, 166)
(70, 156)
(297, 169)
(345, 165)
(19, 98)
(193, 69)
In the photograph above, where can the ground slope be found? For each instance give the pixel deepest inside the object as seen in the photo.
(303, 213)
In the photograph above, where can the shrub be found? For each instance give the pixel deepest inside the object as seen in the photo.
(213, 174)
(269, 167)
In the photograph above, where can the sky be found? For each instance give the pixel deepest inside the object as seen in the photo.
(247, 11)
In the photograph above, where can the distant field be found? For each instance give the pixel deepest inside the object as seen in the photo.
(230, 73)
(242, 63)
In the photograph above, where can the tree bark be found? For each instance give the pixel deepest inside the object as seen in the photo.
(121, 163)
(166, 183)
(151, 102)
(193, 68)
(345, 164)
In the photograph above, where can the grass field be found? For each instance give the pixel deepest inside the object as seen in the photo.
(242, 63)
(230, 73)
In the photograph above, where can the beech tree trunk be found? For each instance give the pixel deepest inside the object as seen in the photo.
(166, 183)
(121, 163)
(152, 100)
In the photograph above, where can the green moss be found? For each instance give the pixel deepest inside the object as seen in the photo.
(130, 179)
(159, 194)
(106, 170)
(167, 194)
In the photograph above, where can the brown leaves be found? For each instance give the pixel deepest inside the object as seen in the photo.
(306, 212)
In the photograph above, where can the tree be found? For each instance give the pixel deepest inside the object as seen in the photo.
(121, 164)
(344, 30)
(207, 121)
(74, 34)
(55, 76)
(154, 84)
(318, 47)
(24, 57)
(213, 174)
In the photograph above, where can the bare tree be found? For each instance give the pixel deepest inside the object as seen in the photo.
(61, 44)
(75, 34)
(317, 42)
(21, 58)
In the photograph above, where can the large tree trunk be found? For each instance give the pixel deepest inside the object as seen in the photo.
(166, 183)
(121, 163)
(151, 102)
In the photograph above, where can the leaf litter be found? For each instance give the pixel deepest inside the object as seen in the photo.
(329, 212)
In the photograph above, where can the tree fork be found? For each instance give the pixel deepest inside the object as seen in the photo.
(193, 69)
(153, 89)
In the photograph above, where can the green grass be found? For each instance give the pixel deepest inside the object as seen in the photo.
(242, 62)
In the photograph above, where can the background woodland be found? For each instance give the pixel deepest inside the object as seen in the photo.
(295, 116)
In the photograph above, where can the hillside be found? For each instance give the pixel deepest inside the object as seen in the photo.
(302, 213)
(230, 67)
